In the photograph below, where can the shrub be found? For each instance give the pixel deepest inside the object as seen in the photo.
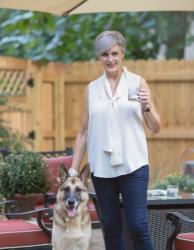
(23, 172)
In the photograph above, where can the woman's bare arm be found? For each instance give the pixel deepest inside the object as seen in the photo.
(152, 117)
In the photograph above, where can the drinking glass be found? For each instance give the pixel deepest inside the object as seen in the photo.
(172, 190)
(133, 94)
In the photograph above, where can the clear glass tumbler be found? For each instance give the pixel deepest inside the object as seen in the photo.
(133, 94)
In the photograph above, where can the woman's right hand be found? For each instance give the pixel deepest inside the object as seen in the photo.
(72, 172)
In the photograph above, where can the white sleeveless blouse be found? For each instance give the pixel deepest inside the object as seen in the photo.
(116, 140)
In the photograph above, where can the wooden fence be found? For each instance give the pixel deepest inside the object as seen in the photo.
(52, 105)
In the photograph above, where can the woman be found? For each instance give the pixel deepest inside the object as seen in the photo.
(112, 130)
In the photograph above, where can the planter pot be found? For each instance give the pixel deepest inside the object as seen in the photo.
(24, 203)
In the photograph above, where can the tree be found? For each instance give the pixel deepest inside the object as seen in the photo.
(41, 36)
(173, 32)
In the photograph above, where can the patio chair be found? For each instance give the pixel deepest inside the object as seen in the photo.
(36, 234)
(23, 234)
(182, 237)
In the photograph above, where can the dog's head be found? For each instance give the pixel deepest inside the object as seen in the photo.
(72, 192)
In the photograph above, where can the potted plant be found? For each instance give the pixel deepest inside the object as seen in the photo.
(23, 175)
(184, 182)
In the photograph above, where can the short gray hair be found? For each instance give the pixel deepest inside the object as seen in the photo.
(108, 39)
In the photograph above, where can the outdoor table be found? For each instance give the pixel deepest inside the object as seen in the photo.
(158, 208)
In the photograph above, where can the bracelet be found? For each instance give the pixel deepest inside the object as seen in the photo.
(147, 108)
(72, 172)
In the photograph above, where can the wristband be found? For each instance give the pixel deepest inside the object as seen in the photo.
(72, 172)
(147, 108)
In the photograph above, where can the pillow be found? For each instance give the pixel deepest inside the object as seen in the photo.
(53, 165)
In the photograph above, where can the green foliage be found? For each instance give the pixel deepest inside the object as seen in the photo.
(45, 37)
(1, 206)
(173, 28)
(10, 139)
(23, 172)
(185, 182)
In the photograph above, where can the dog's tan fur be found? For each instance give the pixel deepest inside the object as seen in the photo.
(72, 233)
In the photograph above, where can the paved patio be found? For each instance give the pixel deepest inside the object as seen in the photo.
(97, 242)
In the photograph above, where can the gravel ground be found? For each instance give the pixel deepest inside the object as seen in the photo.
(97, 242)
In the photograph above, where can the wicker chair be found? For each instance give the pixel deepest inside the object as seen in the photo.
(182, 237)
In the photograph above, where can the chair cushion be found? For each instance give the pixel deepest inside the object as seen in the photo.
(185, 241)
(16, 233)
(53, 165)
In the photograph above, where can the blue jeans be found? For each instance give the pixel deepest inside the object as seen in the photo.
(133, 188)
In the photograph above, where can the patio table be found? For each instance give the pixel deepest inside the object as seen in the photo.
(158, 208)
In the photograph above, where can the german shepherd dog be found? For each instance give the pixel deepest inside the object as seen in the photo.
(71, 220)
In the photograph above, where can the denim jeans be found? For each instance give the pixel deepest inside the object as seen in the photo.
(133, 188)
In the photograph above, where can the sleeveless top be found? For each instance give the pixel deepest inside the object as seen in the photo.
(116, 141)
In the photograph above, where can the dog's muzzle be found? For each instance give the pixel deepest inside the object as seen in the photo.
(72, 206)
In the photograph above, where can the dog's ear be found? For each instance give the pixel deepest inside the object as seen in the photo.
(85, 173)
(62, 174)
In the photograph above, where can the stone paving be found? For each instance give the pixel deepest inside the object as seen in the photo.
(97, 242)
